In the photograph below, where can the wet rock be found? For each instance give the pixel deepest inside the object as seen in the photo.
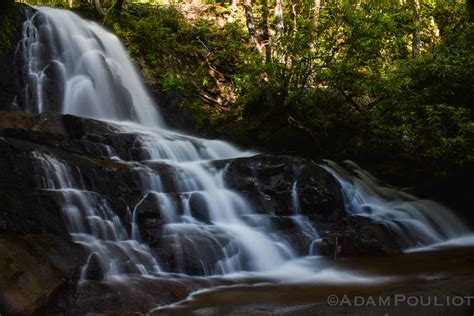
(359, 236)
(25, 207)
(149, 213)
(93, 269)
(194, 250)
(199, 207)
(34, 270)
(267, 182)
(168, 175)
(299, 240)
(127, 295)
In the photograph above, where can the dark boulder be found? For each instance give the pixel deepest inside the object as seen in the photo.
(36, 269)
(358, 236)
(267, 182)
(93, 269)
(194, 251)
(199, 207)
(150, 214)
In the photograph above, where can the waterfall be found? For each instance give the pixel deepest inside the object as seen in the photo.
(83, 65)
(91, 221)
(79, 63)
(415, 221)
(95, 78)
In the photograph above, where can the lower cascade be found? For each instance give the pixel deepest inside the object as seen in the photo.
(205, 226)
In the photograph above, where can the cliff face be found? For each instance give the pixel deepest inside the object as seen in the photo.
(84, 145)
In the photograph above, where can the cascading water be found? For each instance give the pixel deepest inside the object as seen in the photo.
(300, 220)
(88, 69)
(416, 222)
(93, 75)
(97, 79)
(91, 221)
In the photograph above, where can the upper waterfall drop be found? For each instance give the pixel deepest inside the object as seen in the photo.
(85, 69)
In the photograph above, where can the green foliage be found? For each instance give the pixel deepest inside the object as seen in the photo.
(427, 114)
(352, 85)
(49, 3)
(439, 135)
(9, 24)
(182, 56)
(346, 86)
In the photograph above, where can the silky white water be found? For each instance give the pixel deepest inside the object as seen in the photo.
(416, 222)
(94, 75)
(87, 67)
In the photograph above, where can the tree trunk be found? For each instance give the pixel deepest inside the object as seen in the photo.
(234, 4)
(295, 18)
(266, 32)
(251, 26)
(98, 7)
(317, 10)
(279, 26)
(416, 32)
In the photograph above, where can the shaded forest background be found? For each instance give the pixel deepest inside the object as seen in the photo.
(385, 83)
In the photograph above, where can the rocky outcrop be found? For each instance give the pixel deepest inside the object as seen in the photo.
(358, 236)
(131, 295)
(271, 183)
(268, 181)
(40, 265)
(34, 271)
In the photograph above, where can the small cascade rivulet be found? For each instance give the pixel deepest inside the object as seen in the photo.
(70, 59)
(414, 221)
(91, 221)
